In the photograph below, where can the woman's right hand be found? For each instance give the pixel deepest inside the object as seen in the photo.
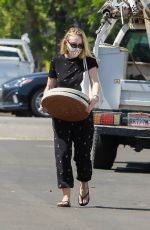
(51, 83)
(43, 109)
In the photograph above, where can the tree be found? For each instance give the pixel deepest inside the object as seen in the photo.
(46, 22)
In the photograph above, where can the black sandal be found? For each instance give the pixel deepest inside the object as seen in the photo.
(64, 204)
(82, 198)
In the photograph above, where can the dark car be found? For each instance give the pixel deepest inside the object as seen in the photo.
(22, 95)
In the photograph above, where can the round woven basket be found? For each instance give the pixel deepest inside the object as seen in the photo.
(66, 104)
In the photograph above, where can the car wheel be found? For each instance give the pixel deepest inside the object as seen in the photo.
(36, 102)
(104, 151)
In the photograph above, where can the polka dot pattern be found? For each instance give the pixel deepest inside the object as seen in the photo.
(78, 135)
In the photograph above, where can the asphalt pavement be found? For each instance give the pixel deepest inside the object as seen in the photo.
(25, 128)
(120, 198)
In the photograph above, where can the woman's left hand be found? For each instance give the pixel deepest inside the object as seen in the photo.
(92, 104)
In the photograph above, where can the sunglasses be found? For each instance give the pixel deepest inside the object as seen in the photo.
(74, 45)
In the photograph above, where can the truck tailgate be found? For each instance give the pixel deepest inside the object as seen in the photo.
(135, 94)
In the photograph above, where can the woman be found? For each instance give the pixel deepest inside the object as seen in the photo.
(67, 71)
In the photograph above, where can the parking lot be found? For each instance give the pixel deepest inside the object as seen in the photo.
(119, 197)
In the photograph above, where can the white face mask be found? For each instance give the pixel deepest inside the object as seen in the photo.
(75, 52)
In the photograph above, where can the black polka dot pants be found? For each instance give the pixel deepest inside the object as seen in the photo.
(81, 135)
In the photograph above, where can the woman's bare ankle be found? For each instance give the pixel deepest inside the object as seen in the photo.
(84, 188)
(84, 185)
(66, 194)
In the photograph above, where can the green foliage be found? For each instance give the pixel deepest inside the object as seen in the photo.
(46, 22)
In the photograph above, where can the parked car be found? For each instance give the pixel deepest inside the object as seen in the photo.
(22, 95)
(16, 58)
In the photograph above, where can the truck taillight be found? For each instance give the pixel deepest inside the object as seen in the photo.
(106, 119)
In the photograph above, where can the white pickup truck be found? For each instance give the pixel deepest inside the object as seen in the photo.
(15, 58)
(122, 50)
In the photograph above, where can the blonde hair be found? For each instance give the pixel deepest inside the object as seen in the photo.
(76, 31)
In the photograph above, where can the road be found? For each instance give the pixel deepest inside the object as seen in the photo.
(120, 198)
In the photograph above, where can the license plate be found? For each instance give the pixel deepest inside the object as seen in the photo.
(139, 120)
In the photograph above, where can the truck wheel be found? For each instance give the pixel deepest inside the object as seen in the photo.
(104, 151)
(35, 104)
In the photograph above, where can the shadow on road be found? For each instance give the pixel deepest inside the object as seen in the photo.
(133, 167)
(121, 208)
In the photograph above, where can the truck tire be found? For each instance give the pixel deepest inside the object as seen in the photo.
(35, 104)
(104, 151)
